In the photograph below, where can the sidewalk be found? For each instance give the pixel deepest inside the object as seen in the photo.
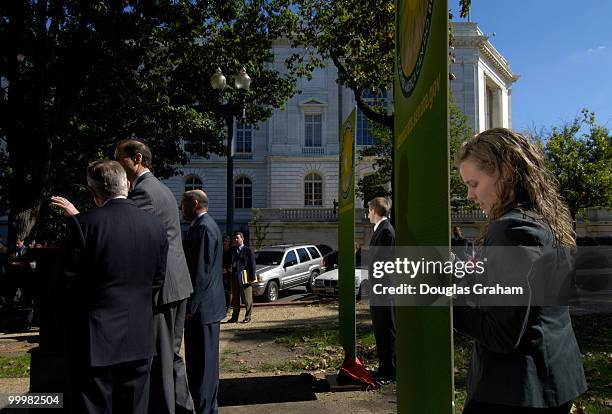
(299, 392)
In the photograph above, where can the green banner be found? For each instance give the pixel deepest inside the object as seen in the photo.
(346, 235)
(421, 200)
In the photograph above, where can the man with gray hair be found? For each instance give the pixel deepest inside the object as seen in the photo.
(116, 263)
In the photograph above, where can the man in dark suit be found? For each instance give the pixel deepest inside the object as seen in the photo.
(243, 260)
(116, 262)
(169, 389)
(383, 315)
(206, 306)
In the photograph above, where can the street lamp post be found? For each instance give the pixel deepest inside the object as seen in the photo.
(228, 110)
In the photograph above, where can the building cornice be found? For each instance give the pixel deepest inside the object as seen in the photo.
(468, 35)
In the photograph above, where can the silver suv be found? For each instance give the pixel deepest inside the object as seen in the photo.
(285, 266)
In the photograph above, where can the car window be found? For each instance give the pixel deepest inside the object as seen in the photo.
(268, 258)
(313, 252)
(291, 258)
(324, 248)
(303, 255)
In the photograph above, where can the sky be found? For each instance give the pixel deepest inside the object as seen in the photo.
(562, 50)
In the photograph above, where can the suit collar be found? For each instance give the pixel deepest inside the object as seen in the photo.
(112, 201)
(198, 219)
(379, 224)
(142, 177)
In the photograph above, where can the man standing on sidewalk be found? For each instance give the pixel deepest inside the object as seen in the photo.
(383, 316)
(169, 389)
(243, 272)
(115, 262)
(206, 307)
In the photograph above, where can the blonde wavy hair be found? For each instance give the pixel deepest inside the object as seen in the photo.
(524, 183)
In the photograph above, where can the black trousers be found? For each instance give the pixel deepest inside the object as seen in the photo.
(383, 324)
(120, 388)
(169, 389)
(477, 407)
(202, 358)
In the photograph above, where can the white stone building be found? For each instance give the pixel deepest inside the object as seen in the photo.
(288, 165)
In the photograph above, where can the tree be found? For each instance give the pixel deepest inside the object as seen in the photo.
(359, 37)
(77, 76)
(459, 130)
(579, 154)
(377, 184)
(259, 229)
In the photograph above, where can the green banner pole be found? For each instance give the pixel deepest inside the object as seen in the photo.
(346, 236)
(421, 199)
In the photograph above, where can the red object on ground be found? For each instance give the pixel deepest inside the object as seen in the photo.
(353, 372)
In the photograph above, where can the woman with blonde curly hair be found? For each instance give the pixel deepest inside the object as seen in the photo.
(525, 359)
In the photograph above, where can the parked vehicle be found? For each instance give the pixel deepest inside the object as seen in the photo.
(324, 249)
(330, 261)
(326, 285)
(593, 263)
(285, 266)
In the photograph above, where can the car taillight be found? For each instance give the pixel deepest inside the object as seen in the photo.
(259, 278)
(325, 262)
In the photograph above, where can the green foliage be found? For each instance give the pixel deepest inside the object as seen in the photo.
(90, 73)
(377, 184)
(459, 130)
(259, 229)
(579, 154)
(15, 366)
(359, 37)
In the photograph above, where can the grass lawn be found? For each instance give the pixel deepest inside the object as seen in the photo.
(15, 366)
(318, 349)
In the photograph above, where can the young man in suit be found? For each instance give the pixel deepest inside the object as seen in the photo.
(383, 315)
(242, 260)
(169, 389)
(116, 263)
(206, 306)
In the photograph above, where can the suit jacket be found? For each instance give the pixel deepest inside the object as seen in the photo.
(522, 356)
(243, 259)
(384, 235)
(117, 259)
(152, 196)
(204, 251)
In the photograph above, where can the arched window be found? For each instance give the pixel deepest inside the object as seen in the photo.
(243, 193)
(364, 126)
(193, 183)
(313, 190)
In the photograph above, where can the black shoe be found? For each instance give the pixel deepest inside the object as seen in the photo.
(231, 320)
(246, 320)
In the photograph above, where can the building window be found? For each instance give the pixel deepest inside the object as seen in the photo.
(364, 125)
(313, 130)
(193, 183)
(313, 190)
(244, 139)
(243, 193)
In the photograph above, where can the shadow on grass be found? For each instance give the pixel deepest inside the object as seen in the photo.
(268, 390)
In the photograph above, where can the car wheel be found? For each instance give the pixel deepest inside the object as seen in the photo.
(271, 294)
(311, 281)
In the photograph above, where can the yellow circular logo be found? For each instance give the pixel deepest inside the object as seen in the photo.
(414, 20)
